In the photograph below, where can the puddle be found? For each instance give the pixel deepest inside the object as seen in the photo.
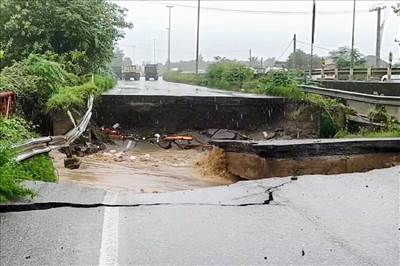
(144, 169)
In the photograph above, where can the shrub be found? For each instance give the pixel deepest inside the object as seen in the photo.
(12, 131)
(187, 78)
(33, 81)
(228, 75)
(280, 83)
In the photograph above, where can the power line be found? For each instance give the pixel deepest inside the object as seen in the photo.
(309, 44)
(276, 12)
(284, 52)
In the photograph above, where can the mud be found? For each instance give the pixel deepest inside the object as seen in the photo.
(143, 169)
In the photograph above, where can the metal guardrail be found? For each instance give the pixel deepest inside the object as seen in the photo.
(45, 144)
(355, 96)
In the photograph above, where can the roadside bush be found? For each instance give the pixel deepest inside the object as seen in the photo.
(228, 75)
(41, 85)
(33, 81)
(15, 130)
(187, 78)
(75, 96)
(394, 133)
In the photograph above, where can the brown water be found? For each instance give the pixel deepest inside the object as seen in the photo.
(150, 170)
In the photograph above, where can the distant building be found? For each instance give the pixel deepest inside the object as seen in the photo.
(329, 63)
(370, 61)
(280, 64)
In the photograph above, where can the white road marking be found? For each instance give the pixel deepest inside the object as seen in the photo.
(109, 237)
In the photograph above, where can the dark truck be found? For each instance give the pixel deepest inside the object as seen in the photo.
(151, 71)
(131, 71)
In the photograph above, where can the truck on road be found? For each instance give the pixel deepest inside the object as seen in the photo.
(131, 71)
(151, 71)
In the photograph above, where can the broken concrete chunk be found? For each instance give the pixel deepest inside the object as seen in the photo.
(224, 134)
(72, 163)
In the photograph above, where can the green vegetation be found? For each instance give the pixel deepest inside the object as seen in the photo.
(49, 51)
(42, 85)
(234, 76)
(302, 60)
(388, 126)
(61, 27)
(369, 134)
(342, 57)
(187, 78)
(12, 131)
(228, 75)
(75, 96)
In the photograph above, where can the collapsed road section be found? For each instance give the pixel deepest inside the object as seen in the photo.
(279, 158)
(197, 108)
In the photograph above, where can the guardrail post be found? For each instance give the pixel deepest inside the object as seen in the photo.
(351, 74)
(389, 70)
(368, 73)
(336, 73)
(322, 73)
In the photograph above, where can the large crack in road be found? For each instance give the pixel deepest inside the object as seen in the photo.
(6, 208)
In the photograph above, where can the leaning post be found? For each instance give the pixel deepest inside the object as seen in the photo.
(389, 70)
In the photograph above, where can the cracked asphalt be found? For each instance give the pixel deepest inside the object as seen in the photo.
(350, 219)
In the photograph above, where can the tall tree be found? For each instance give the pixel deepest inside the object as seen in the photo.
(302, 60)
(342, 57)
(60, 26)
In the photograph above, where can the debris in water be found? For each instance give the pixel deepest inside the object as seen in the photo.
(303, 253)
(132, 158)
(113, 151)
(72, 163)
(128, 146)
(294, 178)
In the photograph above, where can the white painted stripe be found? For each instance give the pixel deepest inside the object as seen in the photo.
(109, 237)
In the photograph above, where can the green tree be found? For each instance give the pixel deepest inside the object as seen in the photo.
(61, 26)
(302, 60)
(342, 57)
(118, 57)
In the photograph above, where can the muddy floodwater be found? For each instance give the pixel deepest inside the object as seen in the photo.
(143, 169)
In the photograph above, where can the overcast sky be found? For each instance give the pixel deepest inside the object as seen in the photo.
(231, 33)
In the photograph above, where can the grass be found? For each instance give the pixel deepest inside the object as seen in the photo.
(395, 133)
(186, 78)
(75, 96)
(12, 173)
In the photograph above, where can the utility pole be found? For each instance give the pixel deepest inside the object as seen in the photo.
(154, 51)
(198, 34)
(378, 9)
(352, 42)
(352, 35)
(294, 51)
(312, 38)
(169, 37)
(250, 57)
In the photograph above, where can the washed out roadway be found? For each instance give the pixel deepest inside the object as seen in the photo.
(337, 219)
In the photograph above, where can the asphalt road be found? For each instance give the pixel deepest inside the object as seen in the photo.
(350, 219)
(160, 87)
